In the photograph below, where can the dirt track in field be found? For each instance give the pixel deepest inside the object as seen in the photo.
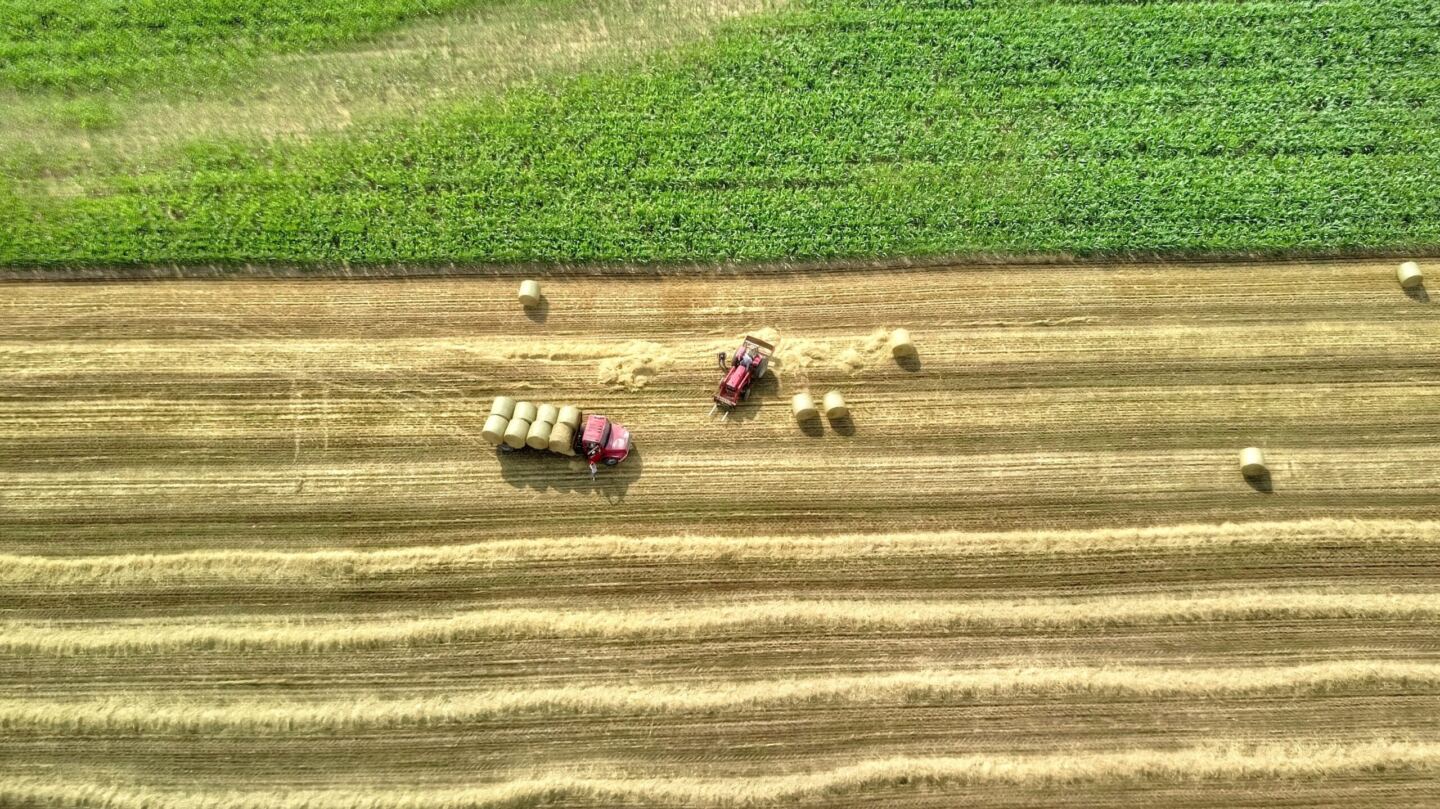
(256, 544)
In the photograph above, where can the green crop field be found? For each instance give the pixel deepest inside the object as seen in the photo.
(823, 128)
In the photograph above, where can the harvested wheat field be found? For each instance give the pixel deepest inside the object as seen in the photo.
(257, 555)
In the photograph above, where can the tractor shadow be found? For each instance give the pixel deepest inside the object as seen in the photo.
(910, 363)
(764, 389)
(614, 481)
(540, 312)
(548, 472)
(1418, 293)
(1261, 482)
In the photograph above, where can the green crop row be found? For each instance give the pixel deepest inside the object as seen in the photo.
(847, 128)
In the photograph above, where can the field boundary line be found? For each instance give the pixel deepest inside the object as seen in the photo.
(659, 271)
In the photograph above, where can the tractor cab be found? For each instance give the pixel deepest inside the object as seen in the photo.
(734, 386)
(604, 442)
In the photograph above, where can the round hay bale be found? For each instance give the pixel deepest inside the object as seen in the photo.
(804, 407)
(569, 416)
(525, 411)
(516, 432)
(900, 343)
(834, 405)
(538, 437)
(530, 292)
(503, 406)
(494, 429)
(546, 413)
(1410, 275)
(562, 439)
(1252, 462)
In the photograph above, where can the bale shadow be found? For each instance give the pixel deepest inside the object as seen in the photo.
(545, 471)
(909, 362)
(845, 425)
(1261, 482)
(1418, 293)
(528, 468)
(540, 311)
(812, 427)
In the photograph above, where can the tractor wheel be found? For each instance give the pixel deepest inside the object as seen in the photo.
(611, 461)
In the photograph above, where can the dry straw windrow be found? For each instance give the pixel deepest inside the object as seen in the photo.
(318, 567)
(1214, 763)
(192, 714)
(817, 615)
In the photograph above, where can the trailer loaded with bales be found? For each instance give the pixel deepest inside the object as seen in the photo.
(513, 426)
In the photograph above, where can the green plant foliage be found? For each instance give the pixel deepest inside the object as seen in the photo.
(108, 44)
(85, 114)
(849, 128)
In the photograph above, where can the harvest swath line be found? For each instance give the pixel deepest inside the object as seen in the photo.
(257, 555)
(539, 557)
(748, 619)
(191, 715)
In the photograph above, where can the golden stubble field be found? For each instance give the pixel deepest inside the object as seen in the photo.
(256, 553)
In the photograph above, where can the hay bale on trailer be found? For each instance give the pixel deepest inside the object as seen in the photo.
(539, 435)
(562, 439)
(526, 411)
(500, 412)
(502, 406)
(519, 428)
(494, 430)
(570, 416)
(516, 432)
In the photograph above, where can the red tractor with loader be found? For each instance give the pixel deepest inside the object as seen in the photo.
(742, 371)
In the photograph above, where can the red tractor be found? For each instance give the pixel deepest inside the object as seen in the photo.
(603, 441)
(749, 364)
